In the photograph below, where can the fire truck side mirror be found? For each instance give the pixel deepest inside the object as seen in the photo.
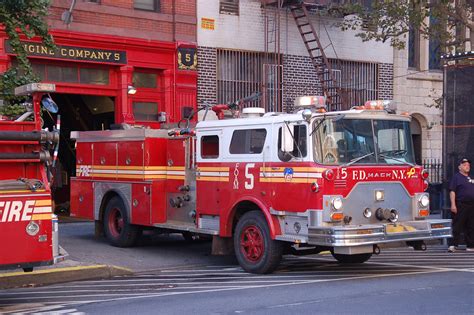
(287, 140)
(49, 104)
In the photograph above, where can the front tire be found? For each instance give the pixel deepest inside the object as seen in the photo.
(352, 259)
(117, 227)
(255, 250)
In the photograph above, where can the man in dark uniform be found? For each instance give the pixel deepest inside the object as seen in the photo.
(461, 195)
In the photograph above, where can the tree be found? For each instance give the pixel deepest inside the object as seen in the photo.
(25, 17)
(389, 20)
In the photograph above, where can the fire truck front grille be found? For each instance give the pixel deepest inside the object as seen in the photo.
(362, 197)
(340, 183)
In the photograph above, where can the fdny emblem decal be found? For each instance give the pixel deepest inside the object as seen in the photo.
(288, 174)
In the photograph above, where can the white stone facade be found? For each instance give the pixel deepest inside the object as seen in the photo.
(246, 32)
(415, 91)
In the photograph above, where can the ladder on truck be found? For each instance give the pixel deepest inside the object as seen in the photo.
(331, 89)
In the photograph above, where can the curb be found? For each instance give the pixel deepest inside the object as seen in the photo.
(59, 275)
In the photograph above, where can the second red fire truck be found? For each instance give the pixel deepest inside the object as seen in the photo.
(264, 184)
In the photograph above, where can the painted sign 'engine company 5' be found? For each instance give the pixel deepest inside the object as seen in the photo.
(71, 52)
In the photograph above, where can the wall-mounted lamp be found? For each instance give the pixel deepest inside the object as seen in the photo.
(131, 90)
(430, 125)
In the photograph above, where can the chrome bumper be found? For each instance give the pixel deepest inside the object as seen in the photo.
(356, 235)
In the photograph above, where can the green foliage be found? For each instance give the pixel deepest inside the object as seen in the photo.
(388, 20)
(19, 17)
(28, 17)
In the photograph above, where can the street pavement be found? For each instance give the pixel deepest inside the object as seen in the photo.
(91, 258)
(398, 281)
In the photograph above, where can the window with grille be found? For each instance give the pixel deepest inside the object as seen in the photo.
(242, 73)
(435, 49)
(147, 5)
(72, 74)
(229, 7)
(145, 111)
(144, 80)
(358, 80)
(413, 48)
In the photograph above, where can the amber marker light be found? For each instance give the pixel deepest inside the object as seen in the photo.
(424, 213)
(337, 216)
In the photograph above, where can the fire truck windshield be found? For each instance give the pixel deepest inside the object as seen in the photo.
(363, 141)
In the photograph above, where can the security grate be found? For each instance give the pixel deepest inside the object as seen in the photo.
(242, 73)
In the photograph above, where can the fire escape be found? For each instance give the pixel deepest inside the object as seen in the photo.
(300, 10)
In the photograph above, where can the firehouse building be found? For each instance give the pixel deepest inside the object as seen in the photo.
(129, 62)
(109, 80)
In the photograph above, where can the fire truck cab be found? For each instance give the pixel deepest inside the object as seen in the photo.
(264, 184)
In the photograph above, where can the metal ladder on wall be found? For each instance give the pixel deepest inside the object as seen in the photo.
(330, 87)
(272, 84)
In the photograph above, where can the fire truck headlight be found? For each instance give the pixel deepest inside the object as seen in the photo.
(32, 228)
(424, 201)
(337, 203)
(367, 213)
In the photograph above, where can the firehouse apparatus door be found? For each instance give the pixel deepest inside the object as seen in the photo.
(78, 113)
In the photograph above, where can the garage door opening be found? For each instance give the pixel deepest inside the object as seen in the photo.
(78, 113)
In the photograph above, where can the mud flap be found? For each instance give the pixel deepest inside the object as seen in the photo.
(222, 246)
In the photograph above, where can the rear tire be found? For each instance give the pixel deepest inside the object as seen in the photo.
(117, 227)
(352, 259)
(255, 250)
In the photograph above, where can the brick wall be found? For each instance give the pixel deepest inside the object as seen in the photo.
(386, 81)
(299, 78)
(207, 75)
(247, 32)
(118, 17)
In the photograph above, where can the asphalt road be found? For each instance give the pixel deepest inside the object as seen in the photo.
(185, 279)
(151, 253)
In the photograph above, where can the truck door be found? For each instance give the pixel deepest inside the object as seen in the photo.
(210, 172)
(292, 174)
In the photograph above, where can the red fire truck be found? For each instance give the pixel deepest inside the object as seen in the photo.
(262, 184)
(28, 227)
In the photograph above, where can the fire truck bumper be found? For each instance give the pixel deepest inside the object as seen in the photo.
(357, 235)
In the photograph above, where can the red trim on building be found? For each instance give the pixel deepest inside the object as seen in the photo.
(176, 88)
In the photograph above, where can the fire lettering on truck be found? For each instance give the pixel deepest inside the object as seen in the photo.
(236, 176)
(17, 210)
(394, 174)
(398, 174)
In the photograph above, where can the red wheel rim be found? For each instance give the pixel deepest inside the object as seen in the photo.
(251, 243)
(115, 222)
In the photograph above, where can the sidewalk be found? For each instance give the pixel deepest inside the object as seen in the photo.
(63, 271)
